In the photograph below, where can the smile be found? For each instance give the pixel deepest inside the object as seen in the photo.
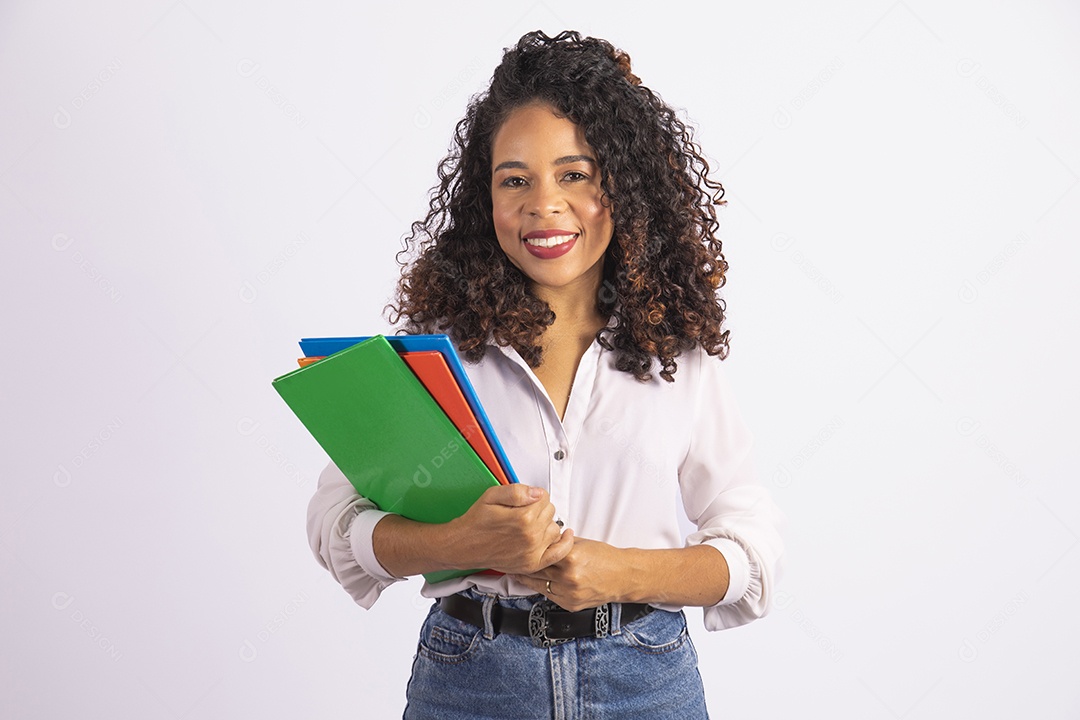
(548, 246)
(549, 242)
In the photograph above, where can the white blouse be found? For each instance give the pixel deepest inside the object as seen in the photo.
(624, 454)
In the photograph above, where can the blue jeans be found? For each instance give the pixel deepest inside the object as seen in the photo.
(647, 669)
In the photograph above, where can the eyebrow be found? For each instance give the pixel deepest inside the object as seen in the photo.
(564, 160)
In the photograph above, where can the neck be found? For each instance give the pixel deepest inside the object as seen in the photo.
(573, 323)
(574, 304)
(574, 308)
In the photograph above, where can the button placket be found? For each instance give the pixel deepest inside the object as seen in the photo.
(559, 473)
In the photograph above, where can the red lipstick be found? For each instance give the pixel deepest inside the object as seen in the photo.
(547, 246)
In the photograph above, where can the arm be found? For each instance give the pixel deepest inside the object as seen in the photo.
(510, 528)
(334, 512)
(595, 573)
(732, 510)
(728, 566)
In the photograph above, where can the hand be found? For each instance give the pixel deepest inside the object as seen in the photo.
(510, 528)
(591, 574)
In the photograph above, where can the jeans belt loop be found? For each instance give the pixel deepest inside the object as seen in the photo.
(615, 621)
(489, 624)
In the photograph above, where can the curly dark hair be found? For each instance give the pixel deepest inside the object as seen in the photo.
(665, 263)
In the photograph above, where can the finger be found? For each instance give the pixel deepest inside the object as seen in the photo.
(558, 550)
(515, 495)
(547, 513)
(535, 583)
(551, 533)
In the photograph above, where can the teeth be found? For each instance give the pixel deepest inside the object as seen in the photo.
(551, 241)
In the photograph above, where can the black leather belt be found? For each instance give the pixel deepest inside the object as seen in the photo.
(546, 623)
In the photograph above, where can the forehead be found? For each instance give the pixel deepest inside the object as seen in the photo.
(536, 131)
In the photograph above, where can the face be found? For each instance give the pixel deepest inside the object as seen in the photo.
(549, 210)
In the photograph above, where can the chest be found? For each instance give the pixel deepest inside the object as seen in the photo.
(557, 373)
(597, 421)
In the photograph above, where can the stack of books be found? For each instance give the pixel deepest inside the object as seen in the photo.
(401, 420)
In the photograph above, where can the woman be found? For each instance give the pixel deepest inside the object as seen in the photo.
(571, 253)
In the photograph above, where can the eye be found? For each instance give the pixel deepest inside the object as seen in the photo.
(575, 176)
(514, 181)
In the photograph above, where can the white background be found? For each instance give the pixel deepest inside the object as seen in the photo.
(188, 188)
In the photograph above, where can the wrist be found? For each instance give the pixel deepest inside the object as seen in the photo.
(635, 587)
(406, 547)
(444, 543)
(694, 576)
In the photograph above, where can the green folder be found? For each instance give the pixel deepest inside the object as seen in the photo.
(387, 435)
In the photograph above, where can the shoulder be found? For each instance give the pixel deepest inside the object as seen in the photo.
(704, 367)
(696, 369)
(706, 381)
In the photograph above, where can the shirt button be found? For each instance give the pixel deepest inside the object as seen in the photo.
(559, 454)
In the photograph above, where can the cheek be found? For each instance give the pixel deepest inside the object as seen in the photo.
(599, 218)
(506, 230)
(505, 223)
(592, 211)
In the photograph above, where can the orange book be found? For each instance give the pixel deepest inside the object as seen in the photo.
(434, 374)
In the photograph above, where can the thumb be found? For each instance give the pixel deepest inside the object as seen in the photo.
(514, 495)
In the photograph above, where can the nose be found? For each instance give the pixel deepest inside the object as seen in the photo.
(546, 198)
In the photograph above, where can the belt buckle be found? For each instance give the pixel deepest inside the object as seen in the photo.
(538, 624)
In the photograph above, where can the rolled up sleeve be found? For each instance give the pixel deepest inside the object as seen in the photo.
(732, 511)
(340, 524)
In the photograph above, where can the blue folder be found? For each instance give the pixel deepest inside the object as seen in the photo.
(318, 347)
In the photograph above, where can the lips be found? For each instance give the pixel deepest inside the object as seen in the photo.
(549, 244)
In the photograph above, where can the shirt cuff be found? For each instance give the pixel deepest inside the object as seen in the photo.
(360, 531)
(738, 568)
